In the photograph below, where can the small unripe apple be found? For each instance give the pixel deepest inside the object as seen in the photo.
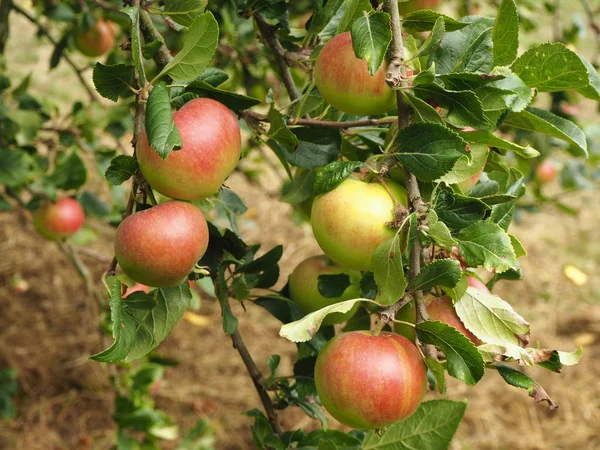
(408, 313)
(96, 40)
(369, 382)
(304, 290)
(211, 149)
(59, 220)
(442, 309)
(349, 222)
(546, 172)
(160, 246)
(344, 80)
(137, 287)
(416, 5)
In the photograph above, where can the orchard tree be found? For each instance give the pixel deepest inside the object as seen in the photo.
(408, 140)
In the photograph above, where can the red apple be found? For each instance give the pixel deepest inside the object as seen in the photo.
(96, 40)
(477, 284)
(546, 172)
(211, 149)
(59, 220)
(304, 290)
(416, 5)
(344, 80)
(349, 222)
(137, 287)
(442, 309)
(159, 246)
(369, 382)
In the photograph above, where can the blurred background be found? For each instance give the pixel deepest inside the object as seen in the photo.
(52, 397)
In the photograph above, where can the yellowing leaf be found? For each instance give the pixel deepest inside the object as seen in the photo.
(575, 275)
(196, 319)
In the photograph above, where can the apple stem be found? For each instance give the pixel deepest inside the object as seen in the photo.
(387, 315)
(395, 79)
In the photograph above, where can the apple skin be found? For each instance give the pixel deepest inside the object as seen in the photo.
(349, 222)
(211, 149)
(367, 381)
(416, 5)
(344, 80)
(304, 290)
(546, 172)
(477, 284)
(408, 313)
(159, 246)
(467, 185)
(59, 220)
(442, 309)
(96, 40)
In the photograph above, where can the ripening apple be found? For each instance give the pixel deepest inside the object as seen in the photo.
(349, 222)
(478, 284)
(304, 290)
(344, 80)
(59, 220)
(97, 39)
(467, 185)
(211, 149)
(159, 246)
(546, 172)
(416, 5)
(369, 382)
(442, 309)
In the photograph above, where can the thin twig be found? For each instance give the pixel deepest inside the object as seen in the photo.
(93, 254)
(247, 114)
(281, 56)
(83, 272)
(254, 372)
(66, 57)
(589, 12)
(394, 78)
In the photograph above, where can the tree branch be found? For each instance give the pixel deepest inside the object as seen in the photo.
(253, 371)
(163, 56)
(256, 117)
(66, 57)
(281, 56)
(394, 78)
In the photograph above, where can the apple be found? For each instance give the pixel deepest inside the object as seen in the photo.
(478, 284)
(442, 309)
(416, 5)
(159, 246)
(546, 172)
(369, 382)
(349, 222)
(344, 80)
(408, 313)
(303, 288)
(211, 149)
(59, 220)
(467, 185)
(96, 40)
(137, 287)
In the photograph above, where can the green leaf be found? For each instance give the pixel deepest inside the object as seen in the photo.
(371, 36)
(233, 100)
(304, 329)
(429, 150)
(121, 168)
(112, 81)
(455, 210)
(199, 437)
(463, 360)
(436, 368)
(353, 11)
(518, 379)
(199, 45)
(512, 184)
(506, 33)
(489, 139)
(466, 50)
(333, 285)
(465, 169)
(60, 48)
(316, 147)
(333, 174)
(517, 246)
(534, 119)
(279, 131)
(69, 173)
(425, 20)
(340, 14)
(184, 12)
(438, 231)
(560, 359)
(136, 43)
(388, 270)
(490, 318)
(551, 67)
(160, 127)
(441, 272)
(464, 108)
(93, 205)
(149, 49)
(511, 82)
(487, 244)
(433, 41)
(422, 111)
(300, 189)
(593, 90)
(213, 76)
(457, 291)
(14, 167)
